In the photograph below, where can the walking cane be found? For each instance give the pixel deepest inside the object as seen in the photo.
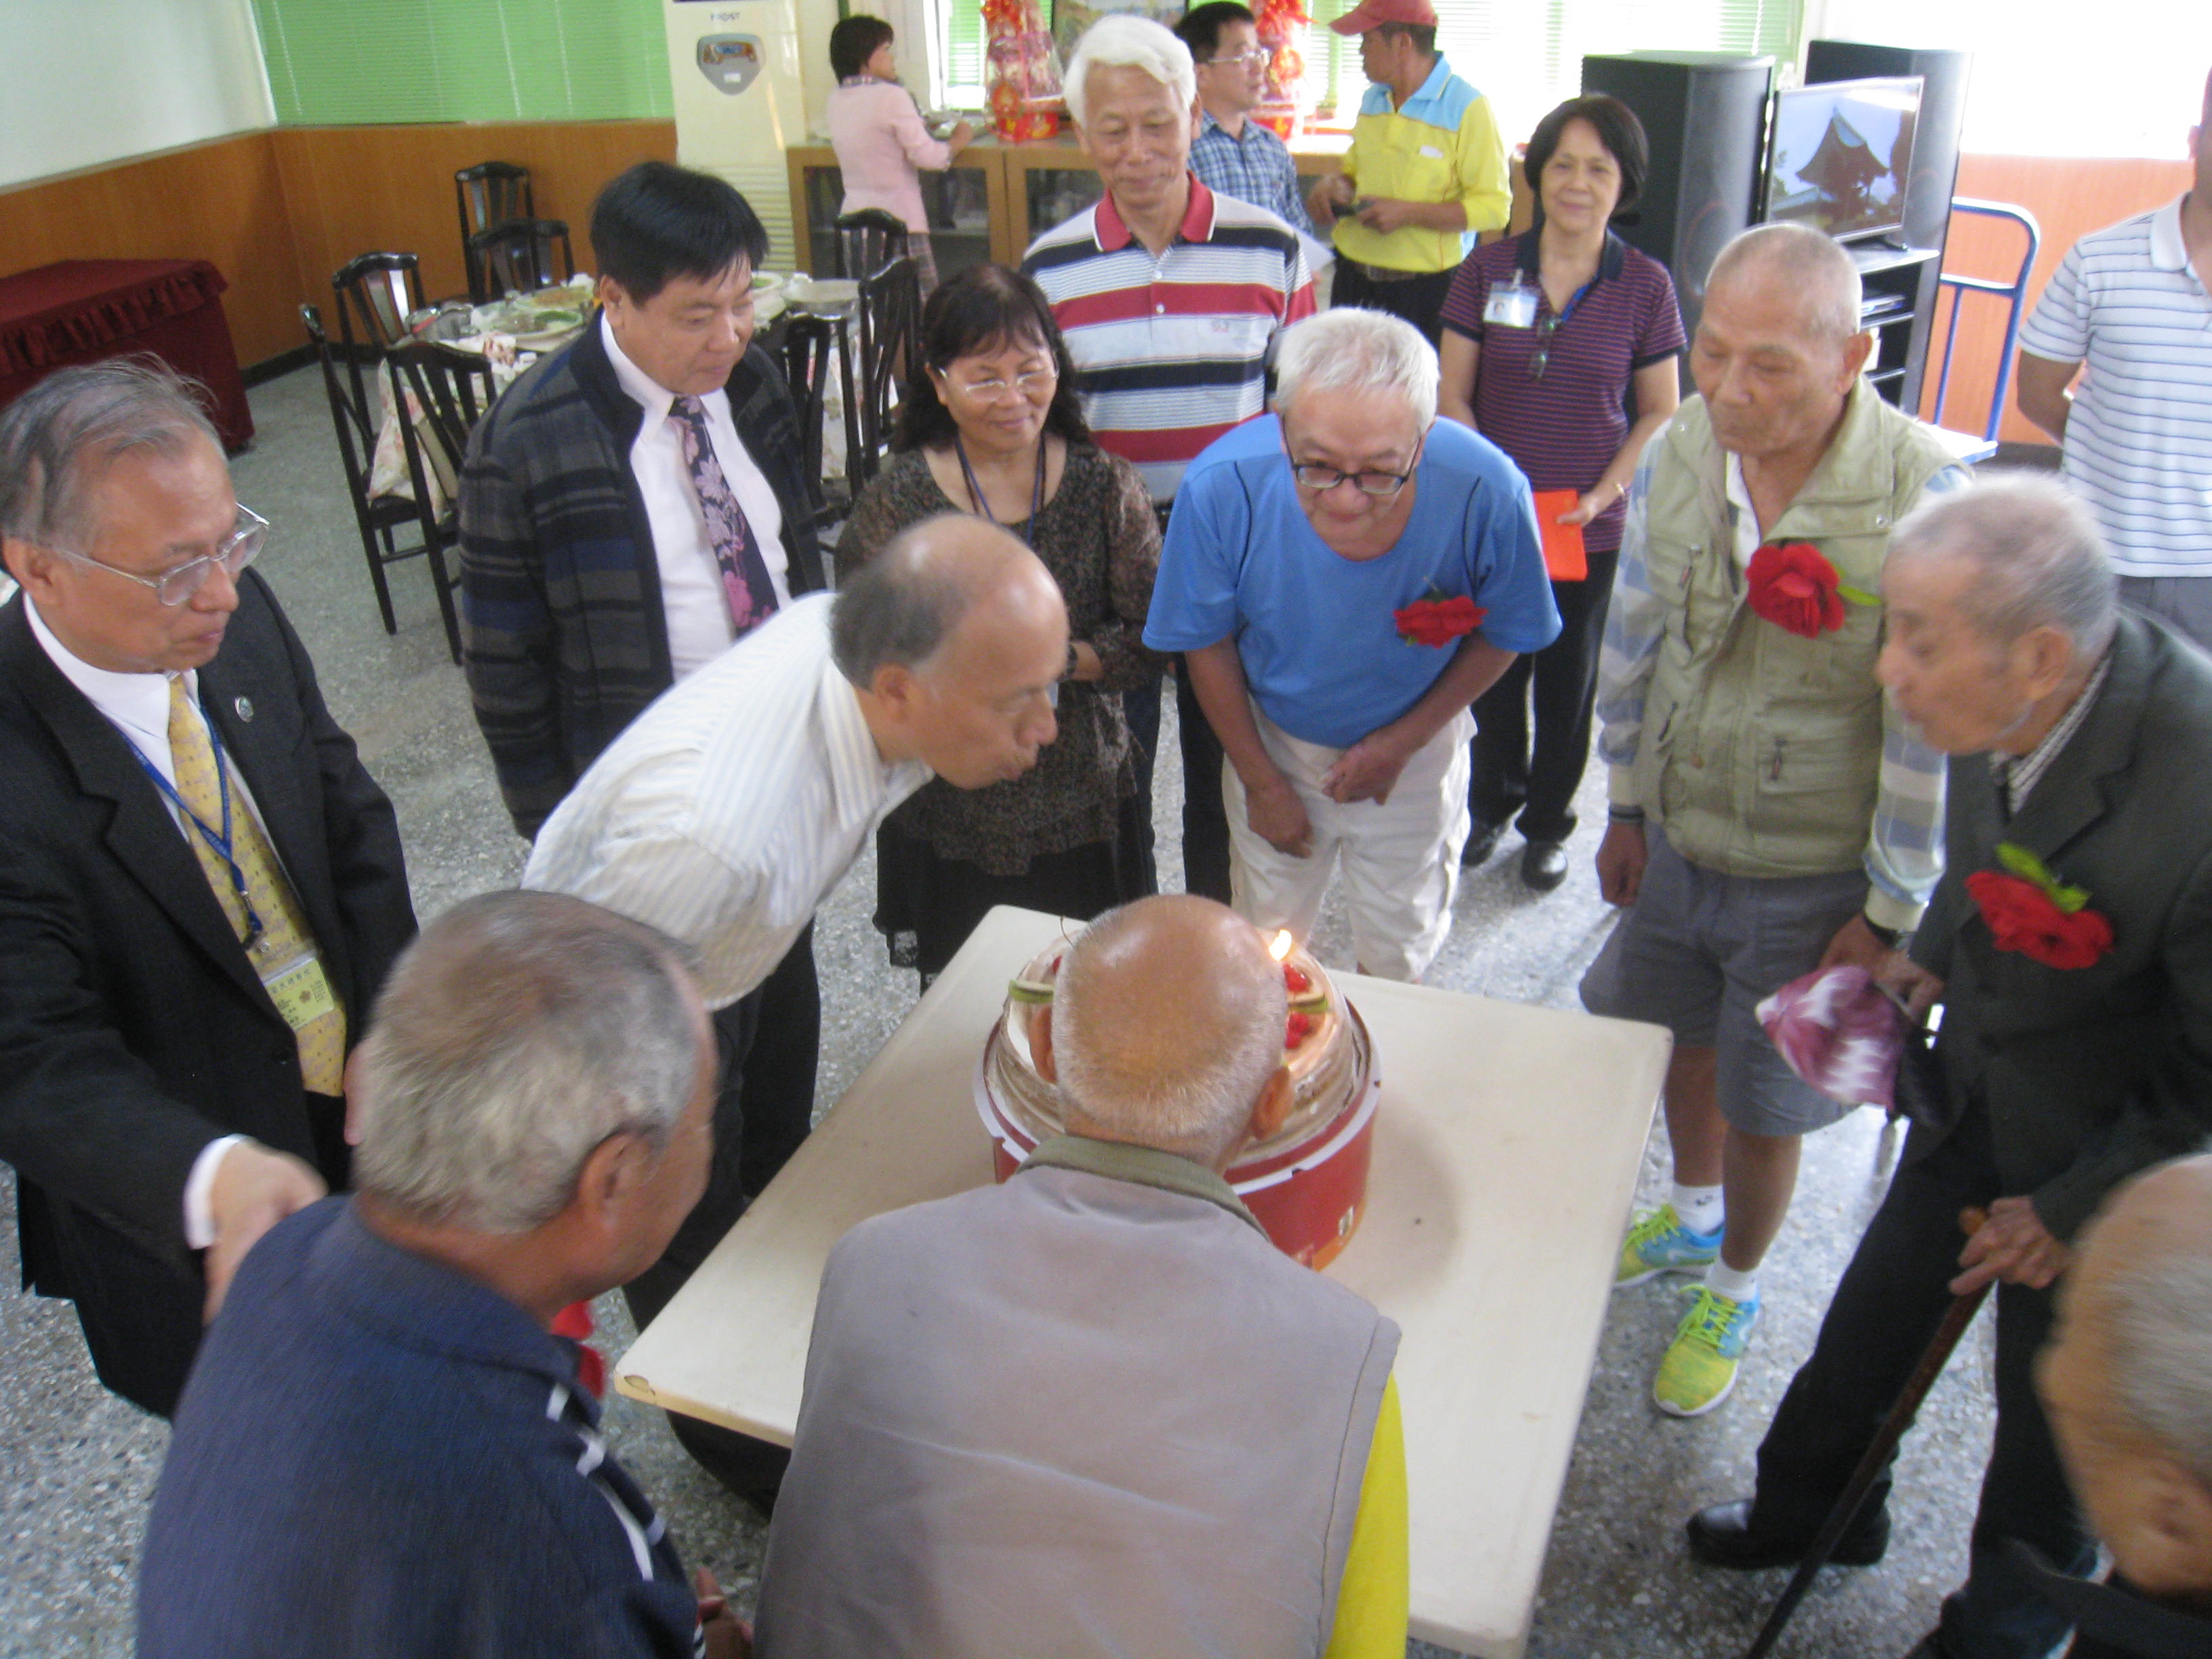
(1938, 1354)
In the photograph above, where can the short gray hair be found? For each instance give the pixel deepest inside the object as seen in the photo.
(1810, 264)
(1198, 1103)
(519, 1031)
(2041, 561)
(1123, 41)
(900, 607)
(59, 440)
(2159, 1321)
(1349, 349)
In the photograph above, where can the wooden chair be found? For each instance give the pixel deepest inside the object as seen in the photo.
(517, 257)
(809, 345)
(868, 241)
(376, 294)
(451, 391)
(489, 193)
(889, 315)
(355, 417)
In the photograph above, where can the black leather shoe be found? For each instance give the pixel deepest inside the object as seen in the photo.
(1544, 865)
(1481, 843)
(1722, 1536)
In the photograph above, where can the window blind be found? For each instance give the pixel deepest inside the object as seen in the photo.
(346, 61)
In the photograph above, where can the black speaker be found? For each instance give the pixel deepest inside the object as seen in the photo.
(1706, 115)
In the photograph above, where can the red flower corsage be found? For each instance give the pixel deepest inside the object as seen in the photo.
(2030, 910)
(1794, 586)
(1437, 619)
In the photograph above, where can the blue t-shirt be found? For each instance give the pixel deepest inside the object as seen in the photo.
(1321, 653)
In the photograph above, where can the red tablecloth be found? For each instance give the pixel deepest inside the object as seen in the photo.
(80, 311)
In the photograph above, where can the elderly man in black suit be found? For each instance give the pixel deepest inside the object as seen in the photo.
(2070, 942)
(200, 887)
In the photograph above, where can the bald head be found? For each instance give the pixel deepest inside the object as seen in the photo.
(2128, 1376)
(907, 603)
(1168, 1026)
(1796, 265)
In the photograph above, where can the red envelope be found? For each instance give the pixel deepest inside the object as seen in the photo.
(1566, 559)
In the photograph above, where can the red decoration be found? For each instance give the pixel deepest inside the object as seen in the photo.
(1021, 70)
(1795, 588)
(2022, 917)
(1437, 620)
(1295, 980)
(1298, 1029)
(575, 1322)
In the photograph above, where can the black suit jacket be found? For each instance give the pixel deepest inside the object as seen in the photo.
(133, 1030)
(2090, 1074)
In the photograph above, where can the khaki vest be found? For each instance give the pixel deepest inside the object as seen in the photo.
(1072, 1415)
(1762, 750)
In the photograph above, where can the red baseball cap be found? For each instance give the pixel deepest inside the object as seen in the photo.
(1373, 14)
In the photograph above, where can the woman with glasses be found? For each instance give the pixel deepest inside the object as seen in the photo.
(990, 426)
(1547, 338)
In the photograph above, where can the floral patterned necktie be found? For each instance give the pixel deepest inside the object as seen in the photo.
(745, 581)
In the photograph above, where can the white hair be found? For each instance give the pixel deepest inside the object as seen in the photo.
(2159, 1321)
(519, 1031)
(1809, 264)
(1348, 349)
(1198, 1102)
(2040, 557)
(1120, 40)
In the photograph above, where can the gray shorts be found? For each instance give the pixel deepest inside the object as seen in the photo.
(1697, 951)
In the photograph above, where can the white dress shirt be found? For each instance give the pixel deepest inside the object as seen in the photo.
(731, 807)
(138, 706)
(691, 594)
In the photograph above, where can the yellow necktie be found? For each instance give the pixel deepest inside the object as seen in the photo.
(285, 940)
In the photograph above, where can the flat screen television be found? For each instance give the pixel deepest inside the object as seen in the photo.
(1839, 154)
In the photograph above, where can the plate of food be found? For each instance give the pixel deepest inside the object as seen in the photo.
(820, 294)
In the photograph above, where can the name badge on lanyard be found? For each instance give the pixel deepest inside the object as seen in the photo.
(1511, 306)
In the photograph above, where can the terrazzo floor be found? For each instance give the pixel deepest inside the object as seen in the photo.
(77, 1467)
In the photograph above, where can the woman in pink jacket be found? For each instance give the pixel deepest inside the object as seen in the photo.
(878, 135)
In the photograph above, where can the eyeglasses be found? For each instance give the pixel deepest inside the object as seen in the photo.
(176, 586)
(1249, 54)
(1372, 484)
(1541, 358)
(1022, 385)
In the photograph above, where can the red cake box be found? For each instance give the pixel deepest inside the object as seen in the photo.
(1306, 1183)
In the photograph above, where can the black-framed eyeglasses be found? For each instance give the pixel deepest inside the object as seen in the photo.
(1373, 483)
(176, 586)
(1541, 358)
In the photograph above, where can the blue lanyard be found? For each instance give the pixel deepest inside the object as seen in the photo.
(1574, 299)
(218, 843)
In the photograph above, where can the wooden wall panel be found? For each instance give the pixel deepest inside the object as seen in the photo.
(2068, 198)
(222, 201)
(359, 190)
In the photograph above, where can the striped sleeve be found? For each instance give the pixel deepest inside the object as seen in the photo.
(2058, 328)
(1633, 628)
(1904, 850)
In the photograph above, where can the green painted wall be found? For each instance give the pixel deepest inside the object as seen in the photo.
(346, 61)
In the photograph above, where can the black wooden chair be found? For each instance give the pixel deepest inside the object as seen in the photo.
(355, 414)
(451, 391)
(518, 257)
(888, 319)
(868, 241)
(810, 356)
(376, 294)
(489, 193)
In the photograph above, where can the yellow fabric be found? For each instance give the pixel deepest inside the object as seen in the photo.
(284, 937)
(1370, 1602)
(1404, 158)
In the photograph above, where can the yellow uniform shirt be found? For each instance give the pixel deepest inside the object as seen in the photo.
(1371, 1601)
(1442, 146)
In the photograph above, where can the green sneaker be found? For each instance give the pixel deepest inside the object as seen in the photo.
(1701, 1362)
(1658, 1244)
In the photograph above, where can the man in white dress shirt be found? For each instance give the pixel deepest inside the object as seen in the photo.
(729, 810)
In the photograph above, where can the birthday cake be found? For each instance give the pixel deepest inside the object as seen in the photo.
(1306, 1183)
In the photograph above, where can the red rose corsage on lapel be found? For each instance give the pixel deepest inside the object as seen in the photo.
(1794, 586)
(1437, 619)
(2030, 910)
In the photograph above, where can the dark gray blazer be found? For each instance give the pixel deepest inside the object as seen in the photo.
(133, 1030)
(2093, 1073)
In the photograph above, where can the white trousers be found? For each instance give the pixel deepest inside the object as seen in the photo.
(1400, 858)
